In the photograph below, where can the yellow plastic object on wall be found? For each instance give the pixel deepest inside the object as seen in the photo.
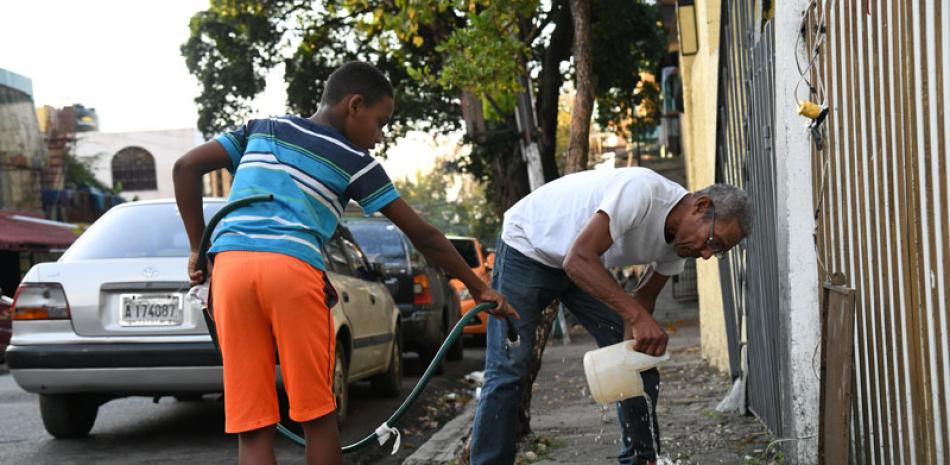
(808, 109)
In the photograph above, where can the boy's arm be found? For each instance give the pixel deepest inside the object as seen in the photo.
(433, 244)
(189, 188)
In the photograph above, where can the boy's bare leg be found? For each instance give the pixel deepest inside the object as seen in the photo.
(257, 447)
(323, 440)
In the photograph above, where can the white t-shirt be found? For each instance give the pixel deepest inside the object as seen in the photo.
(543, 225)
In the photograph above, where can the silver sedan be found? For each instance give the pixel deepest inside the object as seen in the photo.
(113, 318)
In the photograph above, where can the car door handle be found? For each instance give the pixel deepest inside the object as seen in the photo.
(346, 297)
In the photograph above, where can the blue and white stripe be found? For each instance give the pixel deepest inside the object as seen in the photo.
(320, 136)
(310, 185)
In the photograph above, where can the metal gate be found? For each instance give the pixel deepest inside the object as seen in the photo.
(744, 158)
(684, 284)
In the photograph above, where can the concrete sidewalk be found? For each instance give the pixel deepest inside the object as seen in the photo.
(691, 431)
(570, 428)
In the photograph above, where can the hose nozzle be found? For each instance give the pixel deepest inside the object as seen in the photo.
(514, 339)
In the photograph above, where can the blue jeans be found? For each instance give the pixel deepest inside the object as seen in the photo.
(530, 287)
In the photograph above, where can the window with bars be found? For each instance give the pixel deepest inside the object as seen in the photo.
(134, 169)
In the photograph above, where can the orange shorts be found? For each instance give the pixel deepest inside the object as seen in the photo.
(267, 302)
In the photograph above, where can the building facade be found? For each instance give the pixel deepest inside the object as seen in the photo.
(137, 164)
(22, 149)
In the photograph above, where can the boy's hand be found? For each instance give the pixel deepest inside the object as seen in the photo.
(196, 276)
(503, 309)
(187, 175)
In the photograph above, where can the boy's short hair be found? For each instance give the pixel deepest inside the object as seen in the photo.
(356, 77)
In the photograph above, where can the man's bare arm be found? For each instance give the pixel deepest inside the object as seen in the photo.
(584, 267)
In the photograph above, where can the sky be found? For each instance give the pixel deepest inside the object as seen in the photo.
(123, 59)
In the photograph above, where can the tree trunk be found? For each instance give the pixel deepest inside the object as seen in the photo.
(584, 100)
(511, 178)
(576, 161)
(551, 79)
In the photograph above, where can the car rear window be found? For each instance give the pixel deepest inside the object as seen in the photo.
(381, 242)
(466, 248)
(134, 231)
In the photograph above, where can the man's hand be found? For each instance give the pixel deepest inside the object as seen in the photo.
(196, 276)
(503, 309)
(650, 338)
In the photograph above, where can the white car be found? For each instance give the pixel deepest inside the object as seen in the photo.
(74, 345)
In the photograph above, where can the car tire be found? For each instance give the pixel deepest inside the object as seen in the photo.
(389, 383)
(457, 350)
(341, 389)
(68, 416)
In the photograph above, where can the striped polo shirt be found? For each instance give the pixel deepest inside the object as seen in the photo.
(312, 170)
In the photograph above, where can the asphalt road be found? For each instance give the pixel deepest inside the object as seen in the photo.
(138, 431)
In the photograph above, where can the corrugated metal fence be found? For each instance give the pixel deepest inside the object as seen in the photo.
(881, 185)
(745, 158)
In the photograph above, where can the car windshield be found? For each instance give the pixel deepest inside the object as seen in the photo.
(381, 242)
(466, 248)
(134, 231)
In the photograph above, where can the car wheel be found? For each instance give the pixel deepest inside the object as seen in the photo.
(389, 383)
(341, 390)
(68, 416)
(457, 350)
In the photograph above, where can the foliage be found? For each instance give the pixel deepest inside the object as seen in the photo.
(467, 214)
(627, 40)
(235, 43)
(430, 49)
(79, 171)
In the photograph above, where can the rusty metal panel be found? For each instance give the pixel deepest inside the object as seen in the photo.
(837, 374)
(881, 204)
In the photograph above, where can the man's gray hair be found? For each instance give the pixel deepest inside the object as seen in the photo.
(730, 203)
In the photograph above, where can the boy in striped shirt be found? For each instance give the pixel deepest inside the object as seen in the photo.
(270, 287)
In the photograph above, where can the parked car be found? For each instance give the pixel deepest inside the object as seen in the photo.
(74, 346)
(428, 303)
(480, 260)
(6, 324)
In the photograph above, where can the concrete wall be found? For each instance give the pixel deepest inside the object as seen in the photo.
(166, 146)
(795, 225)
(22, 151)
(700, 88)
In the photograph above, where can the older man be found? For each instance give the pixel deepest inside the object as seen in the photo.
(557, 243)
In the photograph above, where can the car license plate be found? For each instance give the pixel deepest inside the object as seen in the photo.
(150, 310)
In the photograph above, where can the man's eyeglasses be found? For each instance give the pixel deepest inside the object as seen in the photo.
(711, 242)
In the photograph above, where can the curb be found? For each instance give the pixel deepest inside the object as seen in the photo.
(443, 445)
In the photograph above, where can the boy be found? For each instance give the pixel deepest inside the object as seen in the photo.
(269, 282)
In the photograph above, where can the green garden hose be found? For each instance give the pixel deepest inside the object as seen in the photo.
(381, 435)
(416, 391)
